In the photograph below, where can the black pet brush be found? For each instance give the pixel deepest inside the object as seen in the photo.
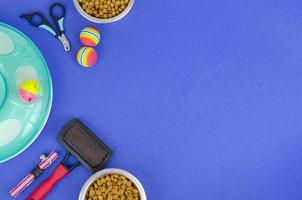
(85, 146)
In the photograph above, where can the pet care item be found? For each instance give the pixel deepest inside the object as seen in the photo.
(57, 12)
(112, 183)
(103, 11)
(85, 146)
(34, 174)
(21, 122)
(29, 91)
(87, 56)
(90, 37)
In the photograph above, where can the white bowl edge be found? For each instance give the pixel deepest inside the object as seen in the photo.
(112, 171)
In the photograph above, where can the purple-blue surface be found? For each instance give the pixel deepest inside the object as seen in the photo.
(198, 99)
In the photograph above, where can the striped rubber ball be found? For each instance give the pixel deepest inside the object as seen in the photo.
(90, 37)
(86, 56)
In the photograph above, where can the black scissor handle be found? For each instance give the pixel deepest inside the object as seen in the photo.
(58, 18)
(30, 18)
(41, 23)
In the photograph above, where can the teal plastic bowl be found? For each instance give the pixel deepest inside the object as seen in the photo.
(21, 122)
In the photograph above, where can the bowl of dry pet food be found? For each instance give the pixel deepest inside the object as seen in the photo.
(112, 184)
(103, 11)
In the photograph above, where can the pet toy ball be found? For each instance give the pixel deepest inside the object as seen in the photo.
(86, 56)
(29, 91)
(90, 37)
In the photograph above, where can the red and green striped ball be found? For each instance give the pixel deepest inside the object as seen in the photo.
(90, 37)
(86, 56)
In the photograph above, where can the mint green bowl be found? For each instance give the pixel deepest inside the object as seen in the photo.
(21, 122)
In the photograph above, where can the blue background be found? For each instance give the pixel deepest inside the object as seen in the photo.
(199, 99)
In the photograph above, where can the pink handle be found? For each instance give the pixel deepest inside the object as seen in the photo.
(59, 173)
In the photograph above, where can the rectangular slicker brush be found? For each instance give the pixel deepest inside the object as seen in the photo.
(83, 144)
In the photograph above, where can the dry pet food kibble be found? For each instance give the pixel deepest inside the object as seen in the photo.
(104, 9)
(112, 187)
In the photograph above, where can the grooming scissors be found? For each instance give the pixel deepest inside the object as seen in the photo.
(38, 20)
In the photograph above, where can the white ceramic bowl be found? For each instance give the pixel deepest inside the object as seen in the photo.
(105, 172)
(103, 21)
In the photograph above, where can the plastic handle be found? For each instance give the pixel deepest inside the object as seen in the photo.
(58, 17)
(40, 22)
(60, 172)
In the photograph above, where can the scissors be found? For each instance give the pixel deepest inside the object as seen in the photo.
(38, 20)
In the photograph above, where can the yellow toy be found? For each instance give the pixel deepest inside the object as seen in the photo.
(29, 91)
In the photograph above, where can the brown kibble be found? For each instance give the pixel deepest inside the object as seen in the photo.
(112, 187)
(109, 183)
(104, 9)
(91, 192)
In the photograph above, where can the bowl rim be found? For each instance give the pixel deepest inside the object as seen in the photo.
(107, 171)
(103, 21)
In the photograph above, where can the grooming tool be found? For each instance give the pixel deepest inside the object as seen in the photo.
(85, 146)
(43, 23)
(34, 174)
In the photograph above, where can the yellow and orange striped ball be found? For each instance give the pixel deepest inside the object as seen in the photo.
(86, 56)
(90, 37)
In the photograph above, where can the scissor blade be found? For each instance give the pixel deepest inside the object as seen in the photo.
(64, 42)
